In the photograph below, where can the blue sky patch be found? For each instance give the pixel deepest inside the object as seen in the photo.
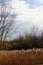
(34, 3)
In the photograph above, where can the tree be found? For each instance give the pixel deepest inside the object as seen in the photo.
(6, 21)
(34, 30)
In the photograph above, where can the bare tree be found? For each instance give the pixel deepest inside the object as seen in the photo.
(34, 30)
(6, 21)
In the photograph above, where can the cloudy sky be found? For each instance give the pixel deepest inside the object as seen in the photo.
(28, 12)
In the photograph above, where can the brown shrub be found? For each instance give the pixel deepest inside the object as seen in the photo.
(5, 45)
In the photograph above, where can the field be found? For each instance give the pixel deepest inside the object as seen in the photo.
(22, 57)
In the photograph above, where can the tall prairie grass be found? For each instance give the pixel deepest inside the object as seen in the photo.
(21, 57)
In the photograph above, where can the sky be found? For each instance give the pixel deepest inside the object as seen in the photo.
(29, 13)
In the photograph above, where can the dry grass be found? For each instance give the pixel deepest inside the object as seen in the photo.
(21, 57)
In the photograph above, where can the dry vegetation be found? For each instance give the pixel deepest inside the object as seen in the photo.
(21, 57)
(18, 56)
(22, 42)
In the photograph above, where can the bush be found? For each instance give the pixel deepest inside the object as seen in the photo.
(5, 45)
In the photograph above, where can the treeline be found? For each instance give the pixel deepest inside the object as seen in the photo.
(23, 42)
(29, 41)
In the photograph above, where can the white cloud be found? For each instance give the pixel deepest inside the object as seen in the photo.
(26, 14)
(41, 1)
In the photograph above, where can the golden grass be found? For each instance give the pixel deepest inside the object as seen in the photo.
(21, 57)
